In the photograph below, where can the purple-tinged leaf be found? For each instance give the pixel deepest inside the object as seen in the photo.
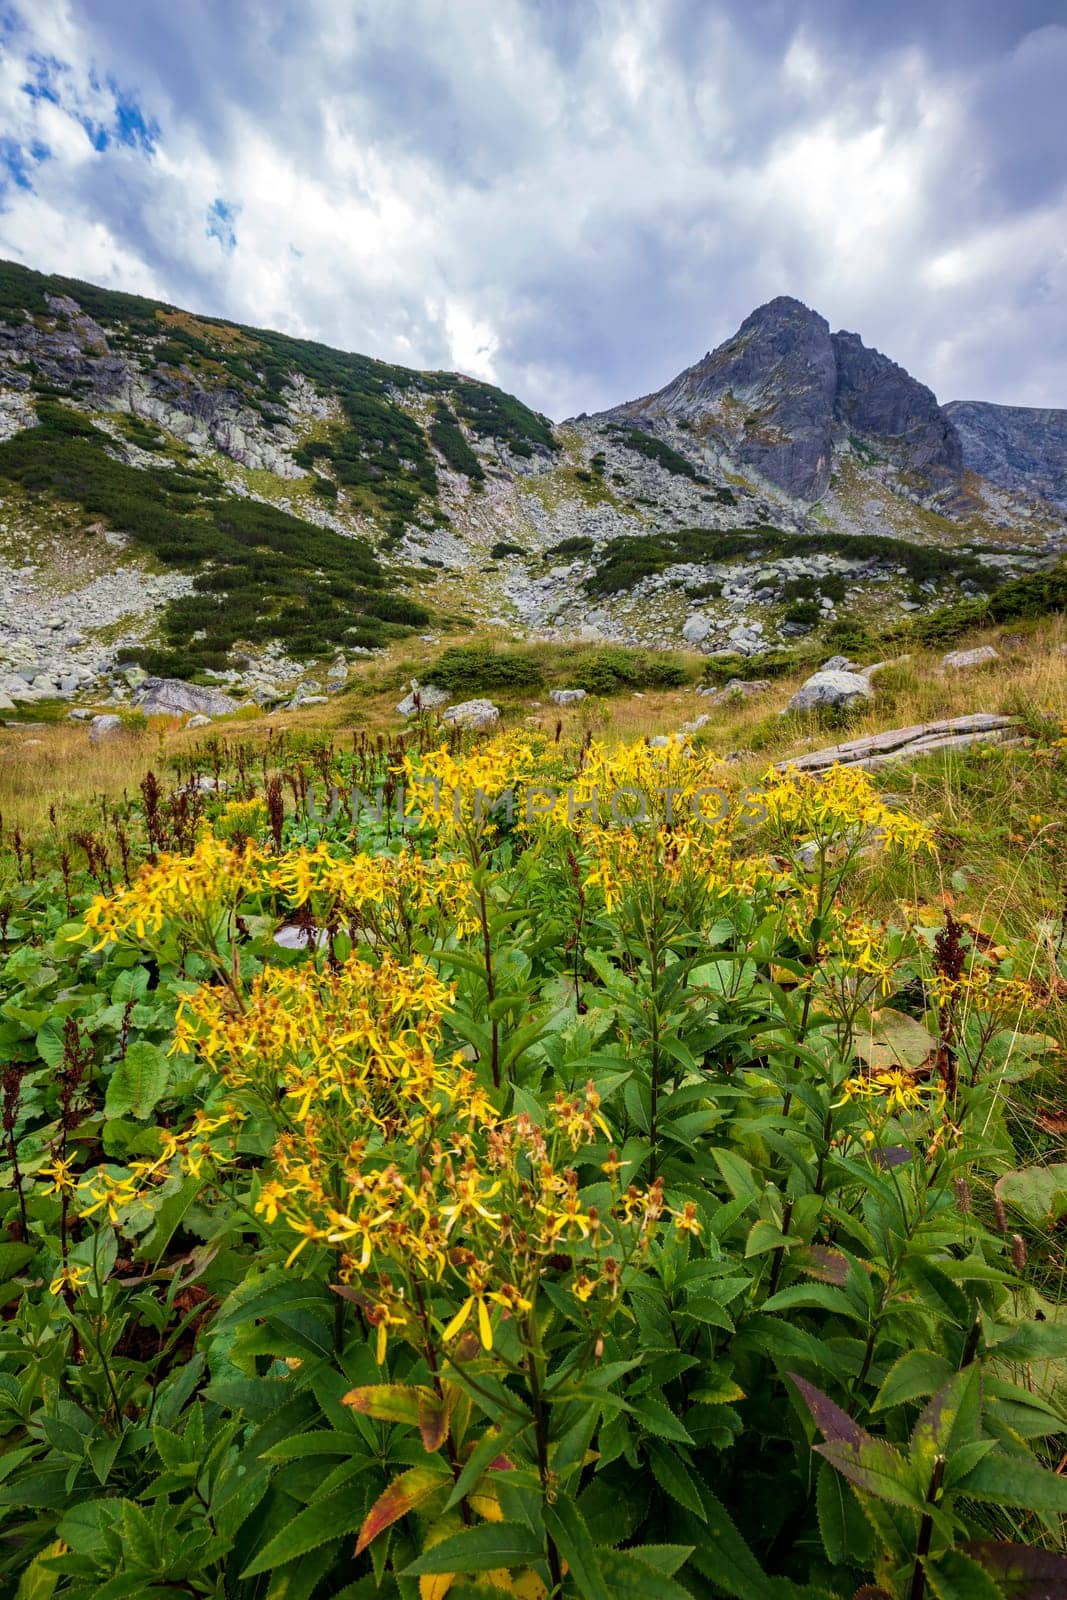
(893, 1155)
(829, 1266)
(1023, 1572)
(831, 1421)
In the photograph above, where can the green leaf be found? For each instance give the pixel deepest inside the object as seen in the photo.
(723, 1557)
(49, 1042)
(916, 1373)
(1013, 1481)
(13, 1257)
(38, 1582)
(764, 1236)
(830, 1496)
(480, 1549)
(1037, 1193)
(955, 1576)
(1032, 1341)
(821, 1296)
(337, 1513)
(566, 1526)
(629, 1578)
(673, 1476)
(658, 1418)
(138, 1082)
(1026, 1573)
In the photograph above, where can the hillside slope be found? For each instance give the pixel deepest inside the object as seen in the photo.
(196, 496)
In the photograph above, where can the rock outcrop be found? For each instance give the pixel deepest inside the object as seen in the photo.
(1018, 447)
(784, 396)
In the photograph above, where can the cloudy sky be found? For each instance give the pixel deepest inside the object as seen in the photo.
(575, 198)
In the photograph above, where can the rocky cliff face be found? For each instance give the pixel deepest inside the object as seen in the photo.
(765, 397)
(1018, 447)
(893, 414)
(784, 394)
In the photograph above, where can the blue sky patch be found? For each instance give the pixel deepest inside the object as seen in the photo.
(221, 217)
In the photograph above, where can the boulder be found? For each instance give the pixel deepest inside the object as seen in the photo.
(477, 714)
(103, 728)
(835, 690)
(6, 702)
(423, 697)
(172, 697)
(837, 664)
(199, 721)
(696, 628)
(736, 689)
(566, 697)
(958, 660)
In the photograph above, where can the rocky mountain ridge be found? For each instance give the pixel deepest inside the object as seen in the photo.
(181, 495)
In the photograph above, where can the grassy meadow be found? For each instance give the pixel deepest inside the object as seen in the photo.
(598, 1169)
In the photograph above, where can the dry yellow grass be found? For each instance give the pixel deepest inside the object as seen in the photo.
(43, 764)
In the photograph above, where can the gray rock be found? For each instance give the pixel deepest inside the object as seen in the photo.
(199, 721)
(566, 697)
(738, 689)
(957, 660)
(477, 714)
(837, 664)
(696, 628)
(836, 690)
(172, 697)
(1018, 447)
(423, 697)
(6, 702)
(103, 728)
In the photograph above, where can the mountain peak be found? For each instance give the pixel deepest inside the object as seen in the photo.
(783, 393)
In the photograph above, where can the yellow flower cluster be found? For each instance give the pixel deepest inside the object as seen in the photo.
(190, 890)
(896, 1090)
(388, 893)
(839, 806)
(398, 1161)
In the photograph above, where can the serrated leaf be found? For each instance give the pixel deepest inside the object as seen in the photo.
(1025, 1572)
(658, 1418)
(480, 1549)
(817, 1296)
(565, 1524)
(139, 1081)
(335, 1514)
(955, 1576)
(1012, 1481)
(412, 1488)
(915, 1374)
(630, 1578)
(674, 1478)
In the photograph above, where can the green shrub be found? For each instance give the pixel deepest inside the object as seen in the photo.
(504, 547)
(805, 613)
(614, 668)
(475, 669)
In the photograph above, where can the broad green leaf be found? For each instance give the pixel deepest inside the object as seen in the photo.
(1013, 1481)
(484, 1548)
(818, 1296)
(723, 1557)
(139, 1081)
(955, 1576)
(1037, 1193)
(13, 1257)
(566, 1527)
(831, 1494)
(337, 1513)
(38, 1582)
(629, 1578)
(674, 1477)
(875, 1467)
(916, 1373)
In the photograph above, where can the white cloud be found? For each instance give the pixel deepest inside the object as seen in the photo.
(575, 201)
